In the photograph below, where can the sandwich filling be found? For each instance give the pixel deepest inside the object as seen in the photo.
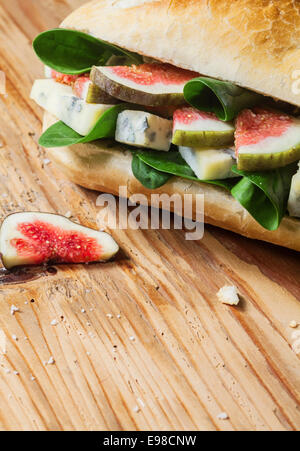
(174, 121)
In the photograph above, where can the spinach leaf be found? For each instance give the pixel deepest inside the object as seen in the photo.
(265, 194)
(73, 52)
(59, 134)
(224, 99)
(149, 177)
(173, 163)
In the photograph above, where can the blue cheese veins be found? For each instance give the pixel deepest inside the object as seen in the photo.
(59, 100)
(141, 129)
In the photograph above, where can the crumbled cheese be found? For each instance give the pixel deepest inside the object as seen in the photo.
(228, 295)
(223, 416)
(14, 309)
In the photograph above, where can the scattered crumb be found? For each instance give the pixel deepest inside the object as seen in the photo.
(293, 324)
(91, 309)
(26, 303)
(32, 378)
(141, 402)
(46, 161)
(16, 373)
(136, 409)
(14, 309)
(223, 416)
(51, 361)
(82, 310)
(109, 315)
(119, 316)
(25, 338)
(14, 337)
(88, 353)
(54, 322)
(228, 295)
(88, 291)
(132, 338)
(68, 215)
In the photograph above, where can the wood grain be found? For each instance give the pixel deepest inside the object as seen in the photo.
(191, 357)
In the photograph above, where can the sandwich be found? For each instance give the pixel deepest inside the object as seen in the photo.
(183, 96)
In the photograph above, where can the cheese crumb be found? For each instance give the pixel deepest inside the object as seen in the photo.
(223, 416)
(68, 214)
(109, 315)
(136, 409)
(132, 338)
(293, 324)
(14, 309)
(228, 295)
(14, 337)
(51, 361)
(54, 322)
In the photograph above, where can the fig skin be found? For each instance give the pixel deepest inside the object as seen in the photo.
(10, 232)
(203, 139)
(132, 95)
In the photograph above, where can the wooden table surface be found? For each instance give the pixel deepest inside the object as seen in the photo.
(192, 357)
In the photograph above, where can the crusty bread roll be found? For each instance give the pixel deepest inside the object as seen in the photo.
(100, 167)
(252, 43)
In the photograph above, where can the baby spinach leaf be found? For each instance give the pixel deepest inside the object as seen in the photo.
(224, 99)
(173, 163)
(59, 134)
(265, 194)
(149, 177)
(73, 52)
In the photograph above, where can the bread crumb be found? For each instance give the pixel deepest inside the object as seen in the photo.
(228, 295)
(223, 416)
(14, 309)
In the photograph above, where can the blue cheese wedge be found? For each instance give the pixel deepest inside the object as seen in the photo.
(209, 164)
(59, 100)
(141, 129)
(294, 198)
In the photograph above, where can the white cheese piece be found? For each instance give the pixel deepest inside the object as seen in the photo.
(294, 198)
(138, 128)
(59, 100)
(48, 72)
(228, 295)
(209, 164)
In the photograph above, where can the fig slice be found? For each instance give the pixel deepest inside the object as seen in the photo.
(194, 128)
(148, 84)
(86, 90)
(294, 197)
(33, 238)
(266, 139)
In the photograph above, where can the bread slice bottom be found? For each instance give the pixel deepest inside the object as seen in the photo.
(103, 166)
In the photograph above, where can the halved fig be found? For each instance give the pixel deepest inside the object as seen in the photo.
(36, 238)
(194, 128)
(146, 84)
(266, 139)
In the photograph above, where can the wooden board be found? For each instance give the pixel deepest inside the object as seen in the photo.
(192, 357)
